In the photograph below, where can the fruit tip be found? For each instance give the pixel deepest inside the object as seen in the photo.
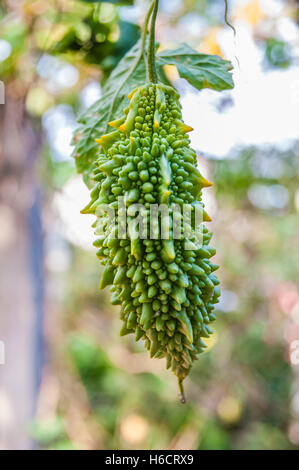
(114, 124)
(182, 393)
(188, 128)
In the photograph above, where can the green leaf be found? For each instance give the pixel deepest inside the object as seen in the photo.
(94, 122)
(200, 70)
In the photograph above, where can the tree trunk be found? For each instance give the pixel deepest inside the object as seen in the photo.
(21, 279)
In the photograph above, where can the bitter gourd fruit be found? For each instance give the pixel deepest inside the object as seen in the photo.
(166, 292)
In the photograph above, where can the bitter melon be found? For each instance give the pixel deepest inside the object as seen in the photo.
(166, 291)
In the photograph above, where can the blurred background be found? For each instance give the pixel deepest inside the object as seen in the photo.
(67, 380)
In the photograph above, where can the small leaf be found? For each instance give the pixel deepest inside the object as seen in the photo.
(200, 70)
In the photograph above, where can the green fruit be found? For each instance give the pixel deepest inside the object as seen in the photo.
(166, 291)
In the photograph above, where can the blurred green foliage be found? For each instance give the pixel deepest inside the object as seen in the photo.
(278, 53)
(97, 36)
(82, 33)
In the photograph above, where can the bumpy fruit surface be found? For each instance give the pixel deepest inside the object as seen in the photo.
(166, 292)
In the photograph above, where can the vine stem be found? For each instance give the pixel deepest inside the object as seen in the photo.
(151, 54)
(135, 64)
(226, 17)
(182, 393)
(145, 28)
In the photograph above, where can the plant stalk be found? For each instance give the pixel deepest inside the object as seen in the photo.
(151, 54)
(181, 389)
(145, 26)
(135, 63)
